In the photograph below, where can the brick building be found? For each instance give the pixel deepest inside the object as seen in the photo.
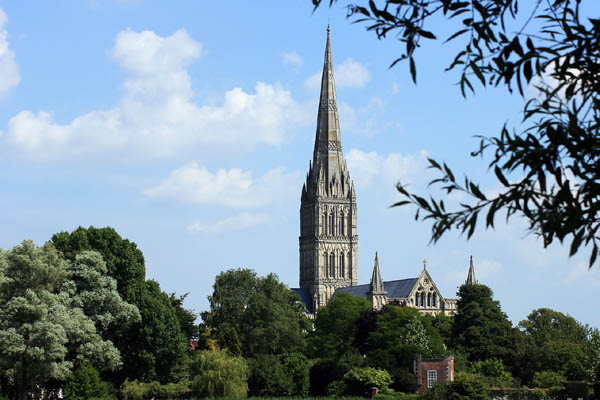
(429, 371)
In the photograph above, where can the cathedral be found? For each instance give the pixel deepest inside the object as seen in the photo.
(328, 227)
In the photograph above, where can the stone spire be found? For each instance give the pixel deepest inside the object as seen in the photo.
(327, 155)
(376, 282)
(471, 276)
(377, 294)
(328, 222)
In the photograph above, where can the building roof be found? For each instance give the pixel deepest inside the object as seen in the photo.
(399, 289)
(305, 297)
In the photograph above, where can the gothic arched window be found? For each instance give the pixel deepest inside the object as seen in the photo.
(331, 223)
(417, 300)
(332, 265)
(435, 299)
(342, 265)
(428, 299)
(422, 299)
(341, 229)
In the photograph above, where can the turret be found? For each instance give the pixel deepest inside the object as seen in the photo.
(377, 294)
(471, 276)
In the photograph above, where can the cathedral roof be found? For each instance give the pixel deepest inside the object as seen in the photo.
(399, 289)
(305, 297)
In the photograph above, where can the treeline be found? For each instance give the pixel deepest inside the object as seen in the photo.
(78, 314)
(349, 347)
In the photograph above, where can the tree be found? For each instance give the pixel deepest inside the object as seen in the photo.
(552, 383)
(556, 146)
(279, 375)
(465, 386)
(219, 374)
(255, 315)
(556, 342)
(154, 348)
(361, 380)
(124, 261)
(186, 318)
(44, 328)
(85, 384)
(481, 329)
(337, 325)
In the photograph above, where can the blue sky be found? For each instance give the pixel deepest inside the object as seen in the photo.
(188, 127)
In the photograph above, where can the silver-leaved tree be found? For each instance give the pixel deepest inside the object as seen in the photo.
(53, 315)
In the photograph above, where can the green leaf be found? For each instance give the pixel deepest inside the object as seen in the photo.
(413, 70)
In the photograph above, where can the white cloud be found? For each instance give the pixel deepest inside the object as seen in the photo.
(373, 168)
(231, 188)
(156, 117)
(292, 59)
(581, 274)
(235, 223)
(9, 70)
(349, 73)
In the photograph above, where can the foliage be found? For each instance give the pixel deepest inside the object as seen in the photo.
(494, 372)
(255, 315)
(465, 386)
(43, 323)
(279, 375)
(220, 374)
(85, 384)
(552, 382)
(481, 330)
(555, 342)
(134, 390)
(154, 348)
(186, 318)
(549, 45)
(124, 261)
(159, 348)
(360, 380)
(336, 325)
(396, 396)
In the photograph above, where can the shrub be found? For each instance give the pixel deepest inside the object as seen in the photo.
(220, 374)
(396, 396)
(551, 383)
(360, 380)
(85, 384)
(465, 386)
(134, 390)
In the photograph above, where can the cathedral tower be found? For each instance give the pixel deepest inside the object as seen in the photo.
(328, 236)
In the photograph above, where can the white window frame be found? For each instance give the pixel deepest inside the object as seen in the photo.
(431, 377)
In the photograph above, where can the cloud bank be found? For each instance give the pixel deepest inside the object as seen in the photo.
(156, 117)
(9, 70)
(234, 188)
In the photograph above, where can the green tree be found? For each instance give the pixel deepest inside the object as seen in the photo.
(186, 318)
(556, 144)
(85, 384)
(336, 325)
(279, 375)
(255, 315)
(495, 373)
(480, 329)
(552, 383)
(465, 386)
(124, 261)
(360, 380)
(218, 374)
(154, 348)
(555, 342)
(43, 324)
(159, 348)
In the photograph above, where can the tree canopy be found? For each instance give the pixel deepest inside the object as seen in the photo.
(255, 315)
(53, 315)
(481, 330)
(551, 157)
